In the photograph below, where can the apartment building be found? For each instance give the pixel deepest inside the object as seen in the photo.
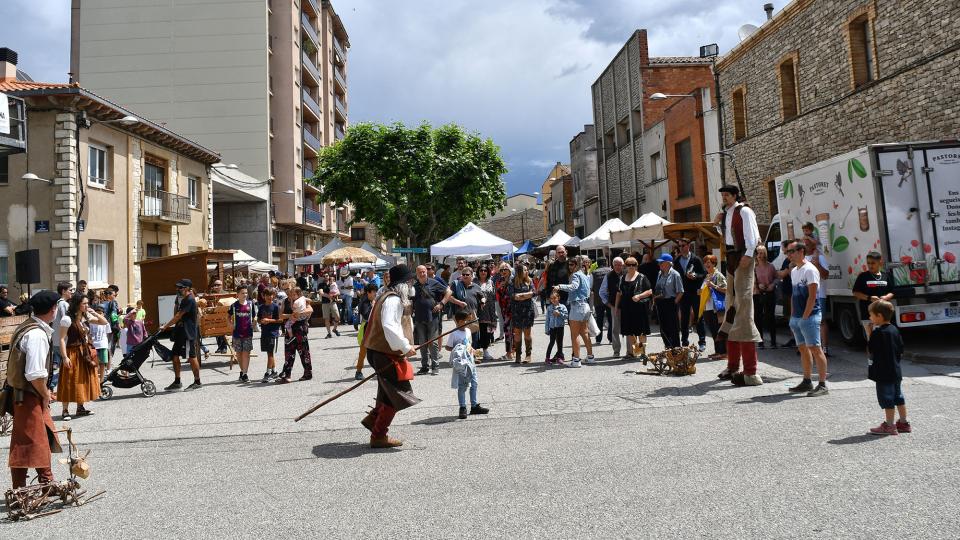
(586, 194)
(823, 77)
(264, 82)
(111, 187)
(557, 192)
(624, 111)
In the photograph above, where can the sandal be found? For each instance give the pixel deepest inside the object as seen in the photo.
(527, 359)
(83, 412)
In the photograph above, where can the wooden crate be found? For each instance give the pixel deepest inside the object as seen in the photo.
(215, 321)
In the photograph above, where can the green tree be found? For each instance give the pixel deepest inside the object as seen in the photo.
(423, 184)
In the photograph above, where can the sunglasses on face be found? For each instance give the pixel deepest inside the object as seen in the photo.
(789, 251)
(631, 264)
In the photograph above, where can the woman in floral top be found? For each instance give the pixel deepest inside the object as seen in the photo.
(501, 284)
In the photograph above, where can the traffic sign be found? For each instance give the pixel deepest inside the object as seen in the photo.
(410, 250)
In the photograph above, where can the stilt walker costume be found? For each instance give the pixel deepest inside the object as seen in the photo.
(741, 237)
(26, 396)
(388, 338)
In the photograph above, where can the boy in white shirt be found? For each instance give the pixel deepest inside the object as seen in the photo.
(100, 336)
(464, 367)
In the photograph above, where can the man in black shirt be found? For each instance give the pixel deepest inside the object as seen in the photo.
(600, 310)
(872, 285)
(185, 333)
(429, 299)
(6, 306)
(612, 282)
(692, 271)
(557, 274)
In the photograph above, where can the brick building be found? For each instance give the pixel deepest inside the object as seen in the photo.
(628, 178)
(557, 193)
(519, 225)
(583, 168)
(827, 76)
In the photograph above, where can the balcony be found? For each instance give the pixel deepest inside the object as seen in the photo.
(340, 57)
(313, 217)
(312, 142)
(340, 107)
(310, 69)
(339, 78)
(164, 207)
(314, 6)
(311, 106)
(310, 30)
(307, 172)
(339, 133)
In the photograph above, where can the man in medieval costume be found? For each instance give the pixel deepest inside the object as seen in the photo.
(741, 238)
(26, 395)
(388, 339)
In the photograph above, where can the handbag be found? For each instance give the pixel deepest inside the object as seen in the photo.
(474, 327)
(719, 300)
(404, 368)
(592, 327)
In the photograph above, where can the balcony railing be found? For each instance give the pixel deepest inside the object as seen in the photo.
(312, 104)
(309, 30)
(340, 106)
(310, 67)
(312, 141)
(316, 8)
(308, 172)
(341, 80)
(337, 48)
(162, 206)
(314, 217)
(339, 133)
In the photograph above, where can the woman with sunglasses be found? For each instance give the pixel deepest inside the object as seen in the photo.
(521, 294)
(501, 284)
(579, 306)
(633, 303)
(487, 312)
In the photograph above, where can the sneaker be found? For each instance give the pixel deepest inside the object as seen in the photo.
(175, 386)
(599, 339)
(725, 374)
(282, 379)
(804, 386)
(337, 332)
(574, 362)
(358, 376)
(590, 360)
(463, 413)
(903, 426)
(702, 347)
(266, 377)
(884, 429)
(195, 385)
(305, 378)
(423, 371)
(328, 336)
(435, 371)
(477, 409)
(65, 416)
(487, 357)
(739, 379)
(244, 377)
(820, 390)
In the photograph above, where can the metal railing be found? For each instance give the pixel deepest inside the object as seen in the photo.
(311, 66)
(307, 172)
(312, 104)
(337, 48)
(340, 106)
(310, 30)
(312, 216)
(339, 133)
(340, 78)
(312, 141)
(164, 206)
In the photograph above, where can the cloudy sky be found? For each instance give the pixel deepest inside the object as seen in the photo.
(518, 71)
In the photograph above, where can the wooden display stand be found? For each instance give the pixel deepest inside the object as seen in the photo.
(215, 321)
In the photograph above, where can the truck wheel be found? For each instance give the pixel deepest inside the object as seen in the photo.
(850, 327)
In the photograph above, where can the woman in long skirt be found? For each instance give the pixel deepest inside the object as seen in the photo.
(79, 382)
(633, 303)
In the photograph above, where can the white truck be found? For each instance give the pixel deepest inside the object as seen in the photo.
(902, 200)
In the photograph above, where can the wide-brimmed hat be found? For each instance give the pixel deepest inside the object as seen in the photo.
(401, 273)
(344, 272)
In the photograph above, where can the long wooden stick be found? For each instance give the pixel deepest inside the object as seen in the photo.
(313, 409)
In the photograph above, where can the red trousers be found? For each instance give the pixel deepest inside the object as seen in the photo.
(44, 476)
(381, 425)
(747, 350)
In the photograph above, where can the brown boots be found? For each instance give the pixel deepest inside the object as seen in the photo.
(384, 442)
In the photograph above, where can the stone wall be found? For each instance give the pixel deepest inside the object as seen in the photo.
(516, 228)
(913, 96)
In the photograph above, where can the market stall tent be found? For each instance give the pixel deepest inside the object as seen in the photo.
(469, 240)
(317, 256)
(387, 260)
(600, 238)
(559, 238)
(646, 228)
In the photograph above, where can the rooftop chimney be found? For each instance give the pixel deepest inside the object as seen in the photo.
(8, 65)
(768, 7)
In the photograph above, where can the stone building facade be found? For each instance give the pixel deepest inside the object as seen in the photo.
(623, 111)
(517, 227)
(586, 192)
(824, 77)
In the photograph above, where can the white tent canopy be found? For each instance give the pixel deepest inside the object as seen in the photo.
(471, 239)
(559, 238)
(317, 256)
(382, 260)
(243, 259)
(647, 227)
(600, 238)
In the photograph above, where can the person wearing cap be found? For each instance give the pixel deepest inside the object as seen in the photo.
(741, 238)
(667, 295)
(387, 337)
(345, 284)
(184, 323)
(33, 438)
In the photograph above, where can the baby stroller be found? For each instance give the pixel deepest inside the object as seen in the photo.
(127, 374)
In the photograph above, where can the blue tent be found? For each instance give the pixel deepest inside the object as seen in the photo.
(526, 248)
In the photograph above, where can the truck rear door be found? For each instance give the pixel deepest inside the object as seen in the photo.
(942, 172)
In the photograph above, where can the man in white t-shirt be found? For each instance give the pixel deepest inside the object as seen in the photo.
(813, 254)
(805, 316)
(65, 290)
(345, 284)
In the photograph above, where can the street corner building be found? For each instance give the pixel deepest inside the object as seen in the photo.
(112, 188)
(824, 77)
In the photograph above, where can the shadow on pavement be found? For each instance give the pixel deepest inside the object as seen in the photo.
(773, 398)
(346, 450)
(435, 420)
(855, 439)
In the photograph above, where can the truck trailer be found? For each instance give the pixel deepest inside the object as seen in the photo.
(901, 200)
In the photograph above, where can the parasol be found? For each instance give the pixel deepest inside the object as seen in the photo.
(349, 254)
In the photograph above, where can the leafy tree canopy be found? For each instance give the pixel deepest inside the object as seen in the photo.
(421, 183)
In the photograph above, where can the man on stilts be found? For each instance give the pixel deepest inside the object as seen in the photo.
(387, 338)
(741, 237)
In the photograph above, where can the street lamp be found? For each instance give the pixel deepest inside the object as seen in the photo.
(659, 96)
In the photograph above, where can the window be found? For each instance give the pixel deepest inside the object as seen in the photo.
(862, 61)
(154, 251)
(4, 261)
(656, 167)
(154, 173)
(98, 260)
(772, 195)
(684, 169)
(193, 191)
(789, 95)
(97, 172)
(4, 171)
(623, 132)
(690, 214)
(341, 219)
(609, 144)
(358, 234)
(739, 113)
(278, 238)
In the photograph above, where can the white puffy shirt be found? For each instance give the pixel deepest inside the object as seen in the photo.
(751, 233)
(390, 316)
(35, 344)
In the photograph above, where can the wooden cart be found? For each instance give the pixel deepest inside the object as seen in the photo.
(8, 325)
(213, 310)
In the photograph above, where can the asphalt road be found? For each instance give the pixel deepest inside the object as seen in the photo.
(596, 452)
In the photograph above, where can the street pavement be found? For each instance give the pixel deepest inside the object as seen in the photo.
(595, 452)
